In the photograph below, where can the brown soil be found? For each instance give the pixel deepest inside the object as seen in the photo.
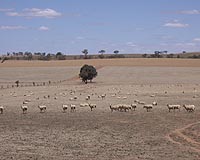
(101, 134)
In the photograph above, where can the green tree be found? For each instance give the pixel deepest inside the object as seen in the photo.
(85, 52)
(116, 52)
(60, 56)
(101, 53)
(87, 72)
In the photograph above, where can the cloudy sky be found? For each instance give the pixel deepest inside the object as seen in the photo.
(69, 26)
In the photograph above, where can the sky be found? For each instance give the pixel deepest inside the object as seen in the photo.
(70, 26)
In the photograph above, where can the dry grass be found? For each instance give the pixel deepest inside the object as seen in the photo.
(164, 62)
(100, 134)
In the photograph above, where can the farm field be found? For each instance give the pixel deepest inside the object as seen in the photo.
(101, 134)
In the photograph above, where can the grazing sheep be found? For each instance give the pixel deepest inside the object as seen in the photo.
(136, 101)
(92, 106)
(84, 104)
(87, 98)
(141, 102)
(64, 107)
(148, 107)
(154, 103)
(71, 99)
(114, 107)
(170, 107)
(124, 107)
(42, 108)
(1, 109)
(25, 102)
(177, 106)
(24, 109)
(73, 107)
(189, 107)
(103, 96)
(174, 107)
(134, 106)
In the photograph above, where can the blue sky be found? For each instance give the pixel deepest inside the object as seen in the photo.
(69, 26)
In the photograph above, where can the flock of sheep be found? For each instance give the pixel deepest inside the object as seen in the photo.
(115, 107)
(149, 107)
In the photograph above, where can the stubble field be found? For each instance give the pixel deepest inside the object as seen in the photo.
(100, 134)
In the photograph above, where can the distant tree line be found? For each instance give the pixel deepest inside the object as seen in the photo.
(85, 55)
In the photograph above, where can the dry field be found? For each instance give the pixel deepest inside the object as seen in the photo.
(101, 134)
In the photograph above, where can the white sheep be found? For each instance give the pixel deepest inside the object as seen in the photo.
(24, 109)
(114, 107)
(25, 102)
(174, 107)
(73, 107)
(103, 96)
(136, 101)
(170, 107)
(124, 107)
(84, 104)
(1, 109)
(155, 103)
(92, 106)
(133, 106)
(87, 98)
(64, 107)
(141, 102)
(148, 107)
(189, 107)
(42, 108)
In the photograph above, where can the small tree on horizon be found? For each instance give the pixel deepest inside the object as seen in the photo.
(101, 53)
(116, 52)
(85, 52)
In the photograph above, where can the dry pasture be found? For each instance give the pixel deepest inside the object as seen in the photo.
(101, 134)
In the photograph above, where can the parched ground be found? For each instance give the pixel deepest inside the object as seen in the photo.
(100, 134)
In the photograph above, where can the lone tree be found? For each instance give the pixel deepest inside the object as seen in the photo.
(87, 72)
(85, 52)
(101, 53)
(116, 52)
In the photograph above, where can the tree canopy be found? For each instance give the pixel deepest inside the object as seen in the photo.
(87, 72)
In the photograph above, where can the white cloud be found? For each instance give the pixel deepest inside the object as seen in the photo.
(196, 39)
(6, 9)
(11, 27)
(185, 44)
(194, 11)
(80, 38)
(131, 44)
(36, 12)
(175, 24)
(190, 44)
(43, 28)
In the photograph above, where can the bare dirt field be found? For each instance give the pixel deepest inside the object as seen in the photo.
(101, 134)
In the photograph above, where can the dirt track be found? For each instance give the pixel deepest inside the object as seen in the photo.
(101, 134)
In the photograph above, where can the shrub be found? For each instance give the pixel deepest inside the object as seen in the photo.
(87, 72)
